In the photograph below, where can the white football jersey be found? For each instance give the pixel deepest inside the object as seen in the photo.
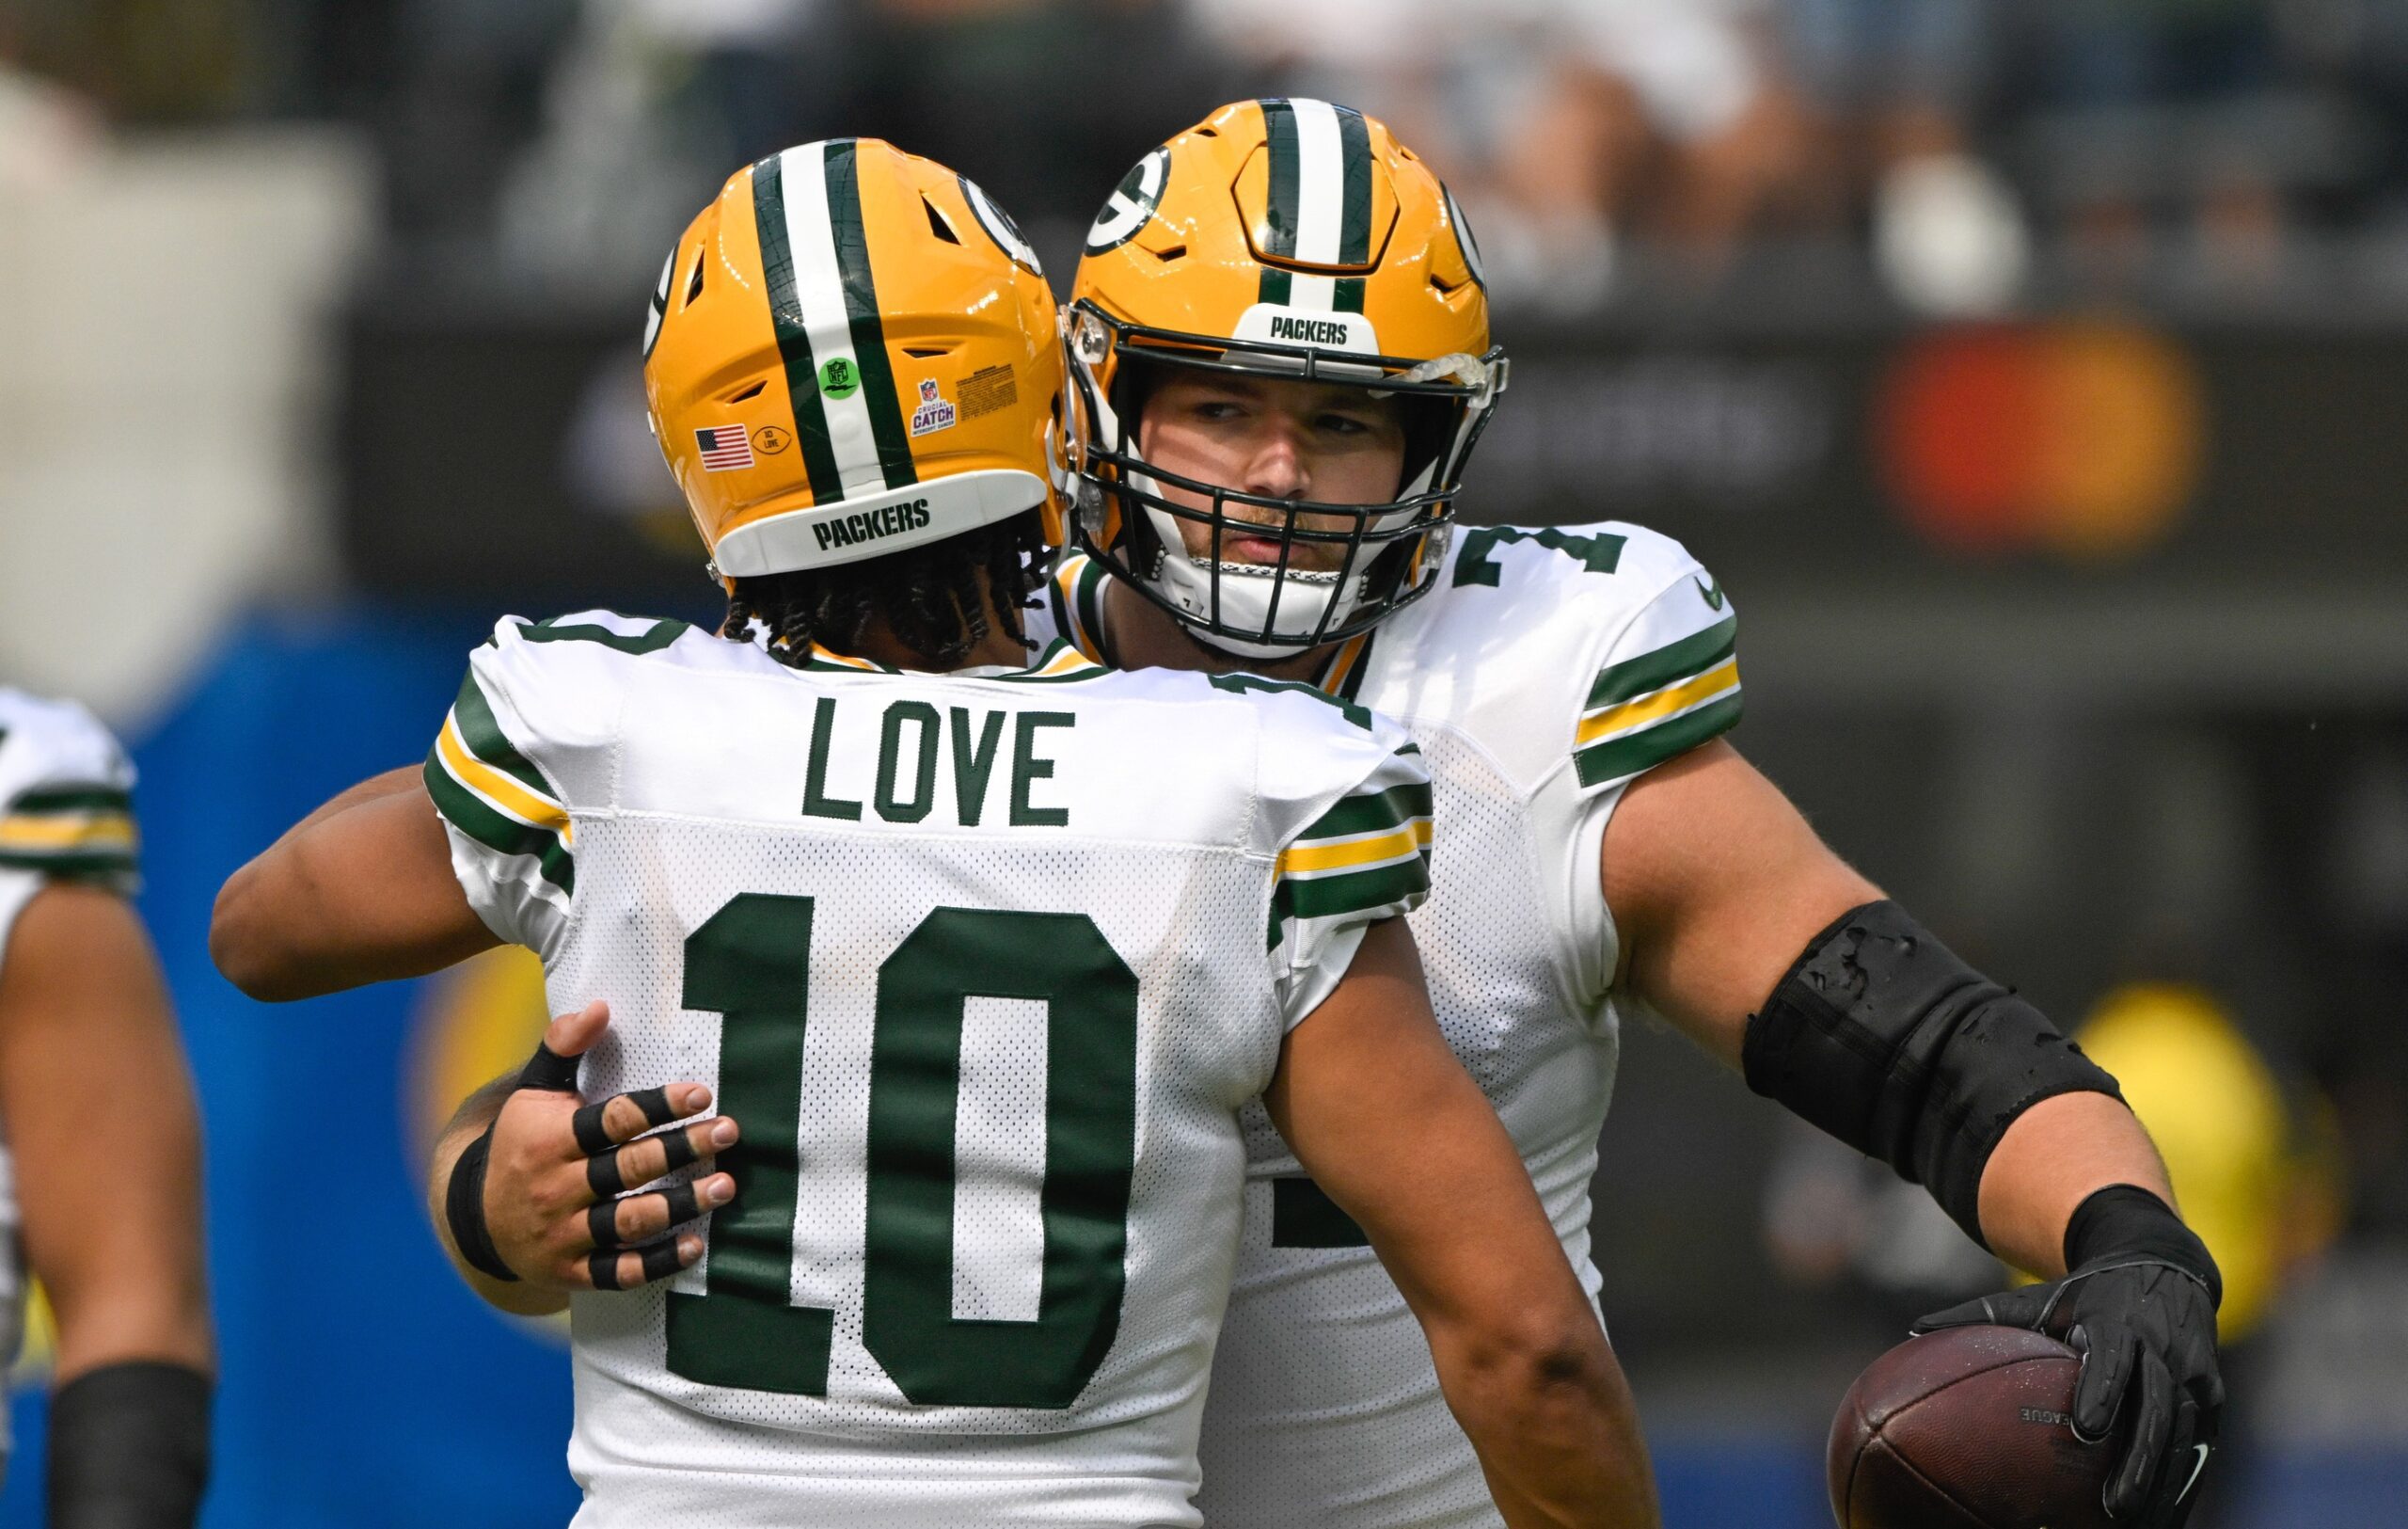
(1545, 671)
(66, 813)
(987, 966)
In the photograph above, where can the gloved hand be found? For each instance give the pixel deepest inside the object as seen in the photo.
(2140, 1305)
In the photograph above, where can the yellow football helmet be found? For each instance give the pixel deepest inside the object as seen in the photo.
(1283, 239)
(850, 352)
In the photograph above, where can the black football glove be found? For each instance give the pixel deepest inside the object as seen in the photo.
(2140, 1305)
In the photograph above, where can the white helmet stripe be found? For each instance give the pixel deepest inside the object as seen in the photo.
(1321, 182)
(820, 290)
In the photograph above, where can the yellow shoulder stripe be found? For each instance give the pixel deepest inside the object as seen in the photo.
(1408, 839)
(49, 833)
(499, 787)
(1647, 709)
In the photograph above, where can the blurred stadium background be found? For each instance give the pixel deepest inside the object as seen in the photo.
(2035, 372)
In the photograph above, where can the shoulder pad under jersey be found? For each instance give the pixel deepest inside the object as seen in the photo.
(1604, 648)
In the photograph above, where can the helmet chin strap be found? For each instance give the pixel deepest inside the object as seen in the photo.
(1242, 653)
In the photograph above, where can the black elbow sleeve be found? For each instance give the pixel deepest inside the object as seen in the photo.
(129, 1447)
(1882, 1038)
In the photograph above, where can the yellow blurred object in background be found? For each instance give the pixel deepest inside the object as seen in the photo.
(2220, 1120)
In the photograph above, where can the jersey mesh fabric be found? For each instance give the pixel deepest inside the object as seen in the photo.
(682, 761)
(1208, 1039)
(1324, 1407)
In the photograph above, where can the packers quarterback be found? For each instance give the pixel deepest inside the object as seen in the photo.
(100, 1177)
(1280, 346)
(986, 957)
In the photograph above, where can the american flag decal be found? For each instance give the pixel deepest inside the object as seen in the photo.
(724, 447)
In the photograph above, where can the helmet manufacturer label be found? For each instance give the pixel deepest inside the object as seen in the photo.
(986, 390)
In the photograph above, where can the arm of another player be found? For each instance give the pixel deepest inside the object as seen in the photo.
(518, 1172)
(360, 891)
(1382, 1115)
(1745, 930)
(107, 1162)
(1718, 884)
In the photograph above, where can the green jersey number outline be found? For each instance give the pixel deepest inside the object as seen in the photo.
(1598, 553)
(751, 964)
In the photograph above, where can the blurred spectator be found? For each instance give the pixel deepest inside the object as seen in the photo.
(1569, 127)
(2178, 133)
(646, 108)
(1895, 92)
(144, 60)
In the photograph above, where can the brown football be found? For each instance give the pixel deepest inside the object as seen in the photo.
(1967, 1428)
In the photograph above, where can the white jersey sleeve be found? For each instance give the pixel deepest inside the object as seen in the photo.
(1668, 678)
(1346, 801)
(66, 802)
(527, 748)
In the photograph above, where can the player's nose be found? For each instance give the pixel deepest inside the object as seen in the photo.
(1278, 468)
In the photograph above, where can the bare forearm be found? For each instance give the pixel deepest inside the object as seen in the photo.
(1558, 1437)
(2055, 1156)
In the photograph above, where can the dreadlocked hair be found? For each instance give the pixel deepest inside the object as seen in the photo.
(930, 595)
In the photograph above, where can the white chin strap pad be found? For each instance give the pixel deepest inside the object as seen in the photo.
(871, 525)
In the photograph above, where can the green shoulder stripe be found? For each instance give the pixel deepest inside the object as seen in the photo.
(503, 835)
(1673, 662)
(1371, 813)
(1637, 753)
(1356, 892)
(46, 799)
(652, 639)
(71, 863)
(483, 733)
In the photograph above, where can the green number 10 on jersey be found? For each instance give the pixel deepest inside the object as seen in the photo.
(751, 964)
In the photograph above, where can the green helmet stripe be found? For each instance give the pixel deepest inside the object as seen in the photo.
(1286, 173)
(794, 340)
(846, 227)
(1355, 229)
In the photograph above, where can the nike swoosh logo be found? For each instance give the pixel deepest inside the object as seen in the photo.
(2197, 1466)
(1711, 591)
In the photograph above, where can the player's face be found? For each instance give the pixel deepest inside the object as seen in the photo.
(1282, 440)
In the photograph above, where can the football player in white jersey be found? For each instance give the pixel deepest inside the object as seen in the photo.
(1280, 343)
(100, 1176)
(986, 957)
